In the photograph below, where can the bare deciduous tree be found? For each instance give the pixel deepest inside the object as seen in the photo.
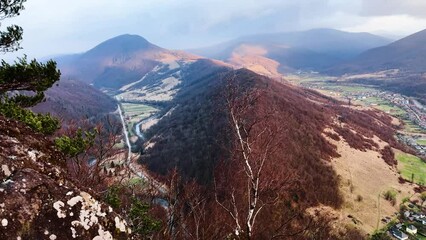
(255, 141)
(88, 167)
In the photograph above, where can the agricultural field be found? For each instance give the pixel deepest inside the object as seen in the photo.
(350, 89)
(409, 164)
(136, 112)
(411, 127)
(421, 142)
(382, 105)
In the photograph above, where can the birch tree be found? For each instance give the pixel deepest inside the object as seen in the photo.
(254, 143)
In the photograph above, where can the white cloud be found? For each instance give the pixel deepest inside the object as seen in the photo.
(396, 24)
(415, 8)
(63, 26)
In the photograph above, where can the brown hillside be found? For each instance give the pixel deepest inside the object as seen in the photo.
(75, 100)
(303, 150)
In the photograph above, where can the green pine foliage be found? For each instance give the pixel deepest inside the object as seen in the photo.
(112, 197)
(41, 123)
(10, 39)
(142, 222)
(32, 77)
(72, 146)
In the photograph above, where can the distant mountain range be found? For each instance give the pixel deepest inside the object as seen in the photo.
(407, 54)
(315, 49)
(134, 69)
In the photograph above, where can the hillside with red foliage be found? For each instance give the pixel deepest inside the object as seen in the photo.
(298, 118)
(75, 100)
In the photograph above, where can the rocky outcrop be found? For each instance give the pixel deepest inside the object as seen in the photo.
(37, 201)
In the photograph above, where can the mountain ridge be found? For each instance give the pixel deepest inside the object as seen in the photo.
(278, 53)
(407, 54)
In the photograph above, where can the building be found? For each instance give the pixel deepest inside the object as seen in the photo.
(399, 235)
(407, 214)
(421, 220)
(411, 230)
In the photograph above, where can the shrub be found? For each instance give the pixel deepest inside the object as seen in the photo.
(406, 199)
(72, 146)
(380, 235)
(390, 195)
(41, 123)
(142, 222)
(112, 197)
(389, 156)
(402, 208)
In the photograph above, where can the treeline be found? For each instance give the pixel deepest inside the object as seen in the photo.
(193, 138)
(70, 100)
(413, 85)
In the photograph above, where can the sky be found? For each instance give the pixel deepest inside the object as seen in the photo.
(64, 26)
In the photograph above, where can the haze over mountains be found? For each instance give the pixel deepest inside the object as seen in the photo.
(314, 49)
(72, 99)
(135, 69)
(407, 54)
(130, 57)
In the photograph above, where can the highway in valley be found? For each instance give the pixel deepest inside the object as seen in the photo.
(157, 185)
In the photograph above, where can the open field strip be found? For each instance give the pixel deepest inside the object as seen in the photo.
(410, 167)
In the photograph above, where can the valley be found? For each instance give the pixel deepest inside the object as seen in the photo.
(348, 165)
(167, 103)
(304, 134)
(133, 166)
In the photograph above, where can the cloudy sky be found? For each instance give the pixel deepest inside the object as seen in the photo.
(64, 26)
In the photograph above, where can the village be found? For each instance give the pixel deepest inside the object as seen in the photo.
(413, 112)
(408, 110)
(409, 224)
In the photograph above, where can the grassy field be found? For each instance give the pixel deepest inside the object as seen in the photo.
(391, 109)
(349, 89)
(411, 127)
(421, 142)
(138, 110)
(136, 113)
(304, 78)
(119, 145)
(409, 165)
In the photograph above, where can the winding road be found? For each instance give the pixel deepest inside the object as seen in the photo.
(157, 185)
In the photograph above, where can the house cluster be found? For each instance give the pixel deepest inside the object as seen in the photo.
(403, 231)
(411, 141)
(363, 95)
(417, 217)
(415, 111)
(399, 234)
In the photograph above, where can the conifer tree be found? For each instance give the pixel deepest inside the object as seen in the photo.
(22, 84)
